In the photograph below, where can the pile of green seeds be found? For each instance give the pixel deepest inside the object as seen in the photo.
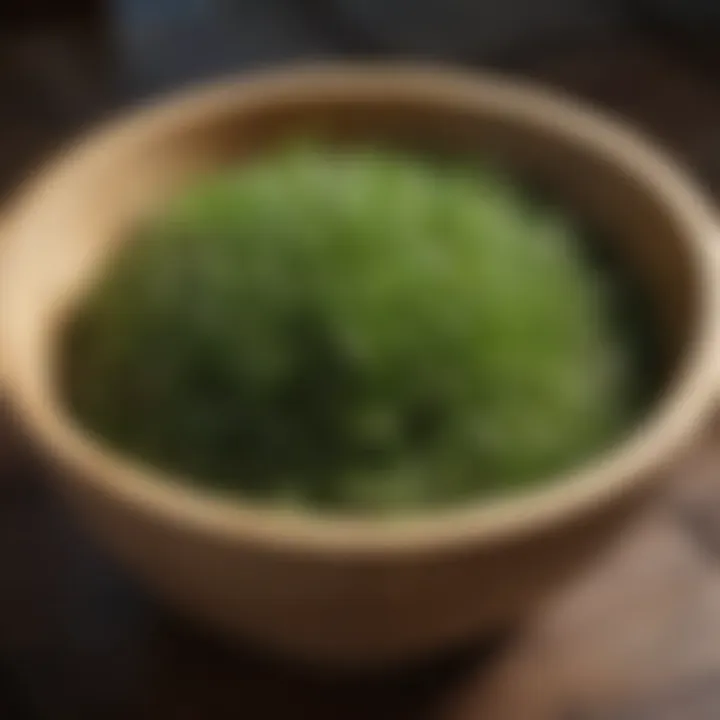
(358, 330)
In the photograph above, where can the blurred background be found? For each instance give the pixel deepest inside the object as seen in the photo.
(638, 640)
(64, 64)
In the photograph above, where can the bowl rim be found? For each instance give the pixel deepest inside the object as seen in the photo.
(566, 497)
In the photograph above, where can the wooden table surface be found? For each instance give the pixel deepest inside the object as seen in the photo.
(636, 638)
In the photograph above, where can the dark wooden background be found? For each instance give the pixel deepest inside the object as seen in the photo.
(637, 638)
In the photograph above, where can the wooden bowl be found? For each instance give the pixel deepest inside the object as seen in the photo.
(358, 592)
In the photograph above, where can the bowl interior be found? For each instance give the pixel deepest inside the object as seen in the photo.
(85, 206)
(150, 162)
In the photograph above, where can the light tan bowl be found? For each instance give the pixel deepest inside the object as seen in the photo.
(321, 587)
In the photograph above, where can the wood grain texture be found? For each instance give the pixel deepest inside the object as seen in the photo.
(639, 637)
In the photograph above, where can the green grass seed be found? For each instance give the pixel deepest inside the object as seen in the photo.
(359, 330)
